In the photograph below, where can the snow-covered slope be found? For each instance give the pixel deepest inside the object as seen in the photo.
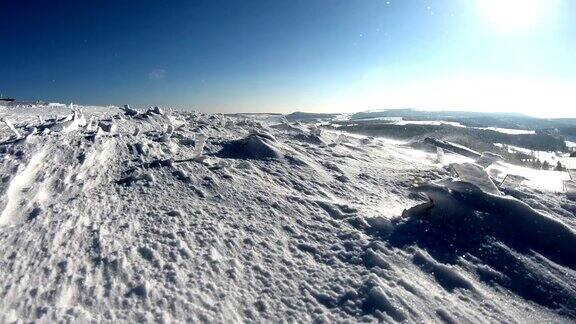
(118, 218)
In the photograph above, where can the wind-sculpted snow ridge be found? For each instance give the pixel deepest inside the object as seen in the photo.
(508, 243)
(128, 215)
(255, 146)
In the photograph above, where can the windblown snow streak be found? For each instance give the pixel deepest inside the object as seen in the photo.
(145, 216)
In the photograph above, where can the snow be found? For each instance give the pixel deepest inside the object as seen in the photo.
(529, 228)
(476, 175)
(160, 216)
(568, 162)
(551, 157)
(509, 130)
(12, 128)
(402, 122)
(428, 122)
(255, 146)
(547, 180)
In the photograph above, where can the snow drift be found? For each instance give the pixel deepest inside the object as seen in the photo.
(502, 237)
(258, 146)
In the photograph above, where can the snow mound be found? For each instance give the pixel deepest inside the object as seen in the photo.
(288, 128)
(462, 205)
(258, 146)
(504, 240)
(310, 138)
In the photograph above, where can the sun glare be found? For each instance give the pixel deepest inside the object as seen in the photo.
(514, 15)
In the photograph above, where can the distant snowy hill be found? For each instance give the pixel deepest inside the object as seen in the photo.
(125, 215)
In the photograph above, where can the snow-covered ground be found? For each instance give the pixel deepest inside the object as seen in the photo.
(509, 130)
(401, 121)
(546, 180)
(428, 122)
(551, 157)
(113, 216)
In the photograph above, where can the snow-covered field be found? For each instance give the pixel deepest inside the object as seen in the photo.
(401, 121)
(551, 157)
(124, 216)
(509, 130)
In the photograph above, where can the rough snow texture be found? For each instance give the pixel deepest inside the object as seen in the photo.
(119, 220)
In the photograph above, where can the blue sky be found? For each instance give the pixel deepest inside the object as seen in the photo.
(313, 55)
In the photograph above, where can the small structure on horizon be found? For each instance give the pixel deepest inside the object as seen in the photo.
(6, 100)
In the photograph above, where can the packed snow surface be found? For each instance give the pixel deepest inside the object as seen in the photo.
(122, 215)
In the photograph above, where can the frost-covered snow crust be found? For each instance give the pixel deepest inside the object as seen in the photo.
(122, 215)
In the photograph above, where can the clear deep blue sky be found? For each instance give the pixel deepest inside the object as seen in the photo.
(316, 55)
